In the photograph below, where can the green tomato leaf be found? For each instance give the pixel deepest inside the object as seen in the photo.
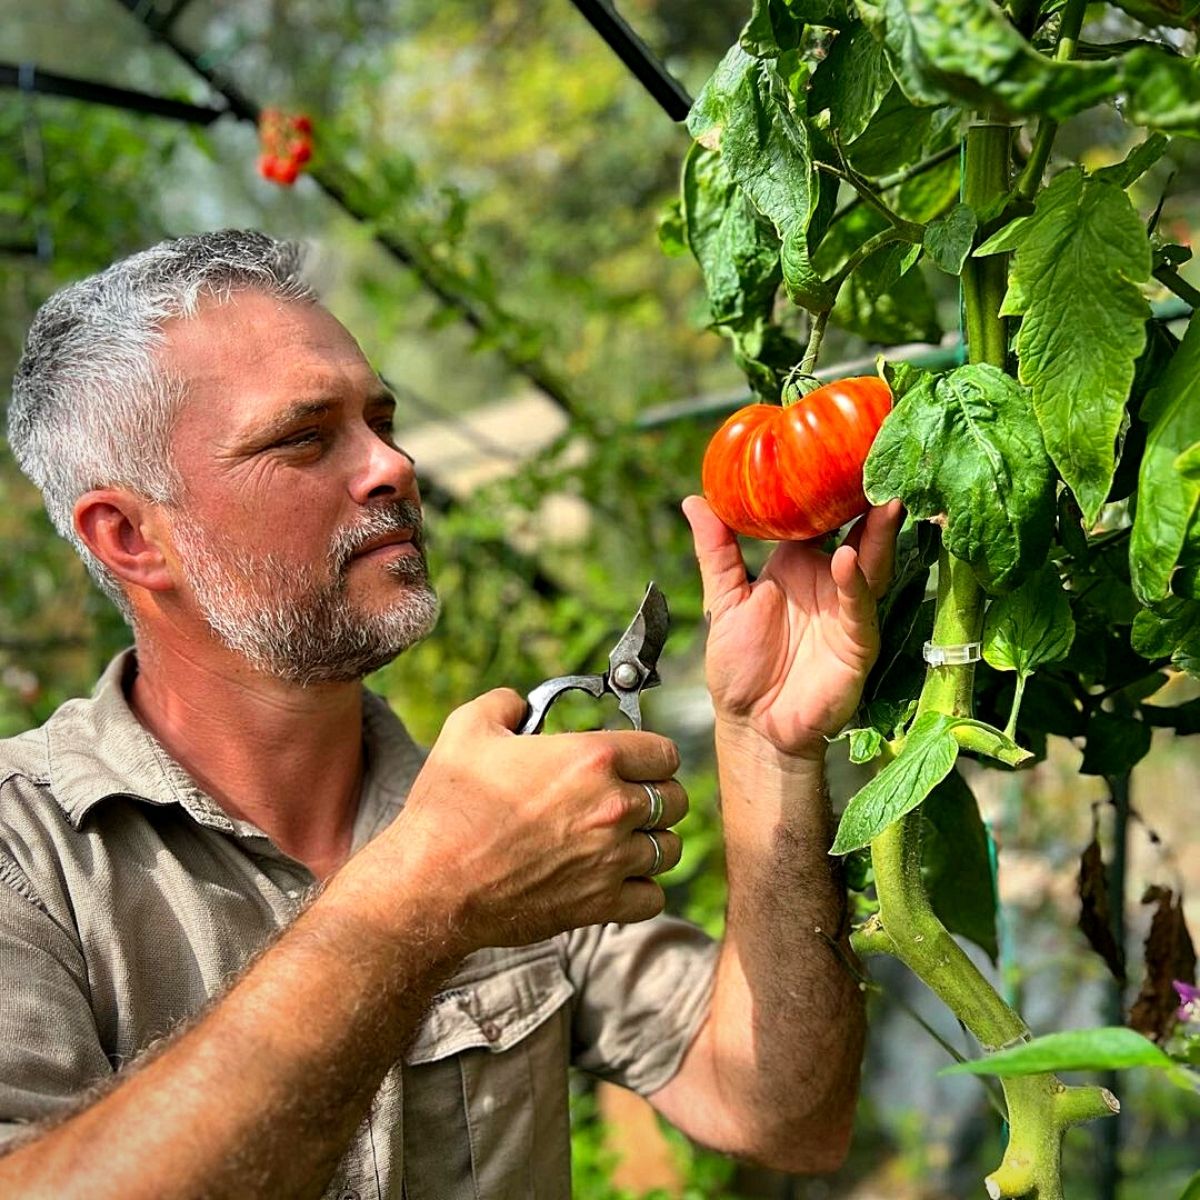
(948, 239)
(1107, 1049)
(1167, 496)
(1181, 13)
(772, 30)
(968, 50)
(865, 744)
(896, 128)
(851, 82)
(1162, 91)
(956, 864)
(672, 237)
(1030, 626)
(1115, 744)
(964, 448)
(744, 111)
(1074, 282)
(926, 759)
(1136, 163)
(1192, 1191)
(905, 312)
(804, 284)
(1172, 631)
(737, 250)
(834, 14)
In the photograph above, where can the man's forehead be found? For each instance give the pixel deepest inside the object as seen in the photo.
(256, 349)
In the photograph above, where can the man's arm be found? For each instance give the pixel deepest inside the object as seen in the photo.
(773, 1073)
(504, 841)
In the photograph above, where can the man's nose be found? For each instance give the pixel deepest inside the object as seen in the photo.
(384, 469)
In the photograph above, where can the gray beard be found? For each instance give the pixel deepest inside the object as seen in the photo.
(294, 623)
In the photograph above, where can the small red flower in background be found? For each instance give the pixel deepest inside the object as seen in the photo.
(287, 144)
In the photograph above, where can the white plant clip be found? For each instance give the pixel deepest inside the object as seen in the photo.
(951, 656)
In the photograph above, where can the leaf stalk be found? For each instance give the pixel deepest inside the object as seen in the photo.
(1043, 141)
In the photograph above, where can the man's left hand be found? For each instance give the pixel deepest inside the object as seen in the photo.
(788, 654)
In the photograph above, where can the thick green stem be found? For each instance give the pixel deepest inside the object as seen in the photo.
(1040, 1107)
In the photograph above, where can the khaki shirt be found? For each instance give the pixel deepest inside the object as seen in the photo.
(129, 898)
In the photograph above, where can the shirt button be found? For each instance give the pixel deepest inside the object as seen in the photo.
(490, 1030)
(348, 1194)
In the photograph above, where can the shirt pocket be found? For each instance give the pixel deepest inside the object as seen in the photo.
(485, 1082)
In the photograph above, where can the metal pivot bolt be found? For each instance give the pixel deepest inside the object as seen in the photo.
(626, 675)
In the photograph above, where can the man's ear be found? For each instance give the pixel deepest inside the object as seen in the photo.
(125, 532)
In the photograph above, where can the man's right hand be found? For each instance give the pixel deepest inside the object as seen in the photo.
(518, 838)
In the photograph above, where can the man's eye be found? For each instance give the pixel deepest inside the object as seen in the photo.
(385, 429)
(306, 437)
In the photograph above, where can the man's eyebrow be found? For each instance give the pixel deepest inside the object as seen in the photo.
(282, 422)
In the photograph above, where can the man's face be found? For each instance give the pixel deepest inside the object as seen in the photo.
(298, 532)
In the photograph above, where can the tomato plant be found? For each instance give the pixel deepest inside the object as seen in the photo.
(796, 471)
(852, 160)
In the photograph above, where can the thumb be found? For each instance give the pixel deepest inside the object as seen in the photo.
(722, 569)
(500, 707)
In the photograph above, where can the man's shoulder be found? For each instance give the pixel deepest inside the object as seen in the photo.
(25, 760)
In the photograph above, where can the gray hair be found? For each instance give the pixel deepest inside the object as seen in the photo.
(93, 405)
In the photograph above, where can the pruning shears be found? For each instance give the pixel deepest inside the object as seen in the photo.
(632, 667)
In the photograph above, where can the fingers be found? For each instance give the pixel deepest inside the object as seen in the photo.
(722, 570)
(674, 800)
(638, 755)
(874, 538)
(856, 604)
(501, 706)
(645, 860)
(639, 900)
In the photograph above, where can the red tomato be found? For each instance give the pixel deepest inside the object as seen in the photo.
(795, 472)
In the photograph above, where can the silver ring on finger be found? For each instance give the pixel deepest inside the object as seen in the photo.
(656, 865)
(656, 807)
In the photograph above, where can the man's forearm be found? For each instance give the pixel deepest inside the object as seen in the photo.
(788, 1023)
(261, 1096)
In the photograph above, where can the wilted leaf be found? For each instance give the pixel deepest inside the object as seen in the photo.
(1170, 955)
(1079, 258)
(1110, 1048)
(965, 448)
(738, 251)
(851, 82)
(1095, 909)
(743, 111)
(969, 50)
(771, 30)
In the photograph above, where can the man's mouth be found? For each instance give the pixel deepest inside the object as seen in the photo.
(398, 543)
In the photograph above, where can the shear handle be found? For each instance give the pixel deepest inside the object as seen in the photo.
(545, 694)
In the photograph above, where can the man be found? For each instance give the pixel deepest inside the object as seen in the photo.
(186, 1013)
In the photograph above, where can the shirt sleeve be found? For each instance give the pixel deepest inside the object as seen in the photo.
(50, 1049)
(641, 993)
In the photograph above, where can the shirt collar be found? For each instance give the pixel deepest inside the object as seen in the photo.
(97, 748)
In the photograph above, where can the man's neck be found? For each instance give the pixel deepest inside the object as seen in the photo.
(288, 759)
